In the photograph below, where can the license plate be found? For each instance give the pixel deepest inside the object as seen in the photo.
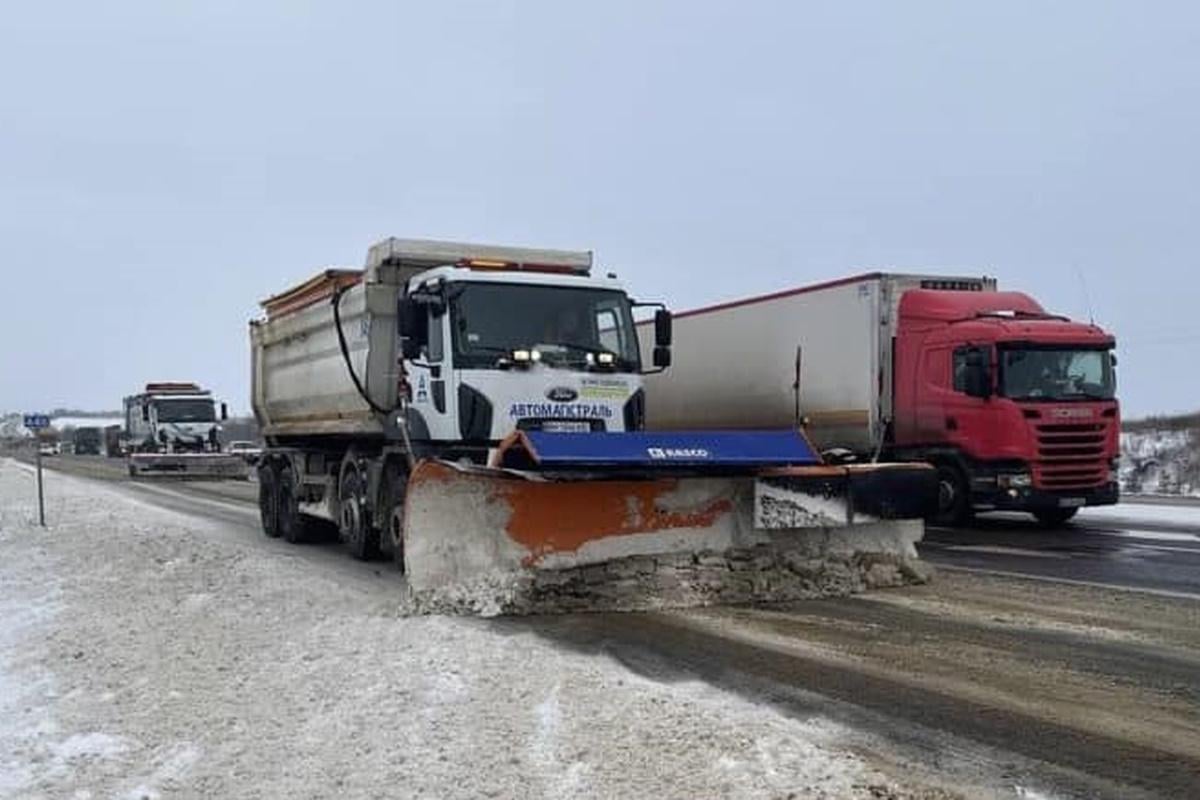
(566, 426)
(1071, 502)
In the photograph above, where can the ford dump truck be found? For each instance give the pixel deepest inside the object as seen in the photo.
(1014, 406)
(171, 428)
(476, 411)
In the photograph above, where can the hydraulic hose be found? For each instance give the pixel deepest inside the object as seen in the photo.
(337, 323)
(400, 402)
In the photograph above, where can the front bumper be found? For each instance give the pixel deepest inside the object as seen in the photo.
(1033, 499)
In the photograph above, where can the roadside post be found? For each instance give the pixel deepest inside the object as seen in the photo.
(37, 422)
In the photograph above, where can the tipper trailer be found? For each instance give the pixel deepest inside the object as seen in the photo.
(1014, 406)
(477, 411)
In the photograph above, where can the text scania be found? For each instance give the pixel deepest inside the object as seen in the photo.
(560, 410)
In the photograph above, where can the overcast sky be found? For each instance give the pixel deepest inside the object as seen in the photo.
(164, 166)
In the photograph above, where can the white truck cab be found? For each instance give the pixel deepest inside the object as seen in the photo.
(489, 350)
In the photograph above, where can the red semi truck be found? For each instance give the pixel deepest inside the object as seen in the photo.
(1015, 406)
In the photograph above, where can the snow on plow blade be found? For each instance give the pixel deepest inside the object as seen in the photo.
(187, 466)
(581, 521)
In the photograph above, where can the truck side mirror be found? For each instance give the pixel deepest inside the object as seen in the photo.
(978, 376)
(662, 356)
(411, 327)
(145, 413)
(662, 330)
(224, 412)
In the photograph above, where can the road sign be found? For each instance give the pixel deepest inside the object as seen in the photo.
(36, 422)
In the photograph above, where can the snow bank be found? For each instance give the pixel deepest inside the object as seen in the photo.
(146, 654)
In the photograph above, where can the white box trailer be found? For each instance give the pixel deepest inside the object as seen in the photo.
(822, 353)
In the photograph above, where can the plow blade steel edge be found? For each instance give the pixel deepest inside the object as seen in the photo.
(464, 524)
(187, 465)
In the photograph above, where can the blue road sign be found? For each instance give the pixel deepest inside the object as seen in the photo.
(36, 421)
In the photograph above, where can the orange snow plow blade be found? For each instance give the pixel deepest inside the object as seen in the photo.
(463, 522)
(506, 529)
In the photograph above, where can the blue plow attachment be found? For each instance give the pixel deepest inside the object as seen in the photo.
(725, 451)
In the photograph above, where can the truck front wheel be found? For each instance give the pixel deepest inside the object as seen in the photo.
(1053, 517)
(360, 536)
(290, 522)
(954, 496)
(396, 529)
(268, 500)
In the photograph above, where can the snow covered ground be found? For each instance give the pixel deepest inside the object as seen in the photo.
(145, 654)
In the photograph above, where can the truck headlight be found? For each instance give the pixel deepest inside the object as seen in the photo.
(1016, 480)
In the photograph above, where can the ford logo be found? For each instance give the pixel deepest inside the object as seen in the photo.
(561, 394)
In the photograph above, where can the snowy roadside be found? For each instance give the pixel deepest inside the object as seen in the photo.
(148, 654)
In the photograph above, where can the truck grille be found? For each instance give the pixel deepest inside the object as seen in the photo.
(1071, 455)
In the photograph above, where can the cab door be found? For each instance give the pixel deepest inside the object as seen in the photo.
(430, 372)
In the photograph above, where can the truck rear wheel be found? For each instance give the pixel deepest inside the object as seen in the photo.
(355, 520)
(1053, 517)
(291, 522)
(268, 500)
(954, 496)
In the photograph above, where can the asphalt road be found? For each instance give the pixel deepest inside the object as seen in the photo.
(1036, 663)
(1128, 553)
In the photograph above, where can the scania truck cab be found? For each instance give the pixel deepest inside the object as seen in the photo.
(1017, 407)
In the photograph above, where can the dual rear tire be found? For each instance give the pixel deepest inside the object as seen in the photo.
(355, 525)
(279, 510)
(278, 504)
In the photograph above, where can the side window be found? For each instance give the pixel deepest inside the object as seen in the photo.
(434, 346)
(606, 326)
(959, 369)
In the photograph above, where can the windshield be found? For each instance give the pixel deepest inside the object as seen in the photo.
(1053, 374)
(185, 410)
(566, 325)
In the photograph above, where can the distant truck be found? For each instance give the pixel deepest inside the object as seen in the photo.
(1014, 406)
(172, 428)
(113, 444)
(88, 441)
(172, 417)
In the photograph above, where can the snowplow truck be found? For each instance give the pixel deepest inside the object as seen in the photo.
(476, 412)
(172, 430)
